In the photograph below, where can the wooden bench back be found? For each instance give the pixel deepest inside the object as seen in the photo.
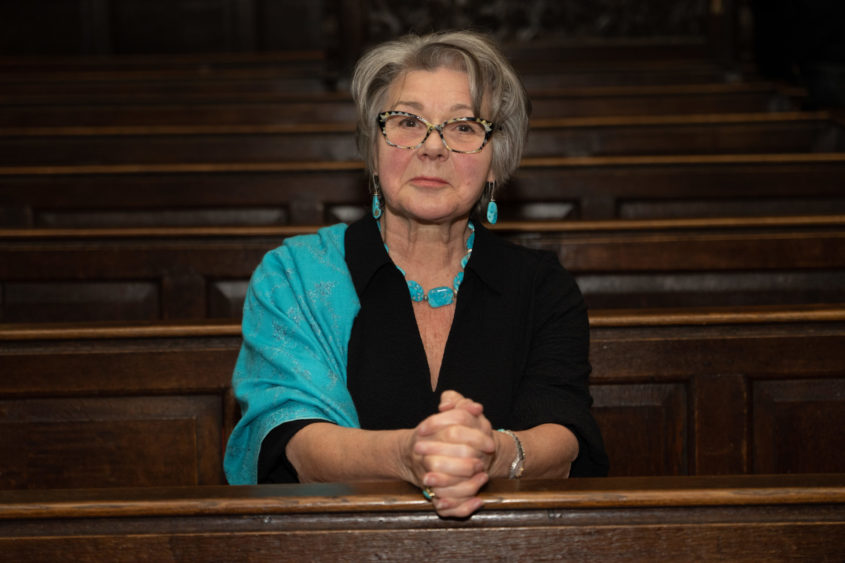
(198, 107)
(147, 274)
(751, 390)
(595, 188)
(778, 132)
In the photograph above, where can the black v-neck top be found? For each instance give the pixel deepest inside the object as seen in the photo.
(518, 345)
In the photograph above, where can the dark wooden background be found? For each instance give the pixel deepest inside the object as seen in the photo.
(686, 162)
(686, 171)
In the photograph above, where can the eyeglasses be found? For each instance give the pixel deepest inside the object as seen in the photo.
(464, 135)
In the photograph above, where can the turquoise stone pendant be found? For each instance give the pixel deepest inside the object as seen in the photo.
(492, 212)
(440, 296)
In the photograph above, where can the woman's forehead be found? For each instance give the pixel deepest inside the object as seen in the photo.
(418, 89)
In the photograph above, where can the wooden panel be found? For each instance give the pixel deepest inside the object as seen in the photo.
(80, 300)
(644, 426)
(226, 299)
(798, 425)
(720, 405)
(151, 366)
(685, 103)
(684, 137)
(709, 289)
(271, 215)
(107, 442)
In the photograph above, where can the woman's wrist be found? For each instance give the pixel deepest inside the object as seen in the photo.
(517, 465)
(503, 457)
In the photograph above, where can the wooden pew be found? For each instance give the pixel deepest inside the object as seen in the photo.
(633, 187)
(160, 77)
(189, 273)
(738, 518)
(677, 392)
(779, 132)
(251, 80)
(282, 107)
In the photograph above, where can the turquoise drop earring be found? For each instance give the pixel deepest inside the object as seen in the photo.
(376, 205)
(492, 208)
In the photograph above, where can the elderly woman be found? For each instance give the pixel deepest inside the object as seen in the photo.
(415, 344)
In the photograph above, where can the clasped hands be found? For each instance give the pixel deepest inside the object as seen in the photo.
(452, 453)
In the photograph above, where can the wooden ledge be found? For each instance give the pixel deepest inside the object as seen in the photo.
(119, 330)
(562, 226)
(658, 89)
(704, 316)
(630, 492)
(358, 166)
(349, 127)
(681, 159)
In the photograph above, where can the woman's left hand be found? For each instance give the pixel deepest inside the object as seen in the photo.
(458, 433)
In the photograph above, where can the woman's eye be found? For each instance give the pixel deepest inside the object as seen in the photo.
(409, 123)
(468, 128)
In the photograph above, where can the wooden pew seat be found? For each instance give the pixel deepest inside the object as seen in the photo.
(680, 392)
(738, 518)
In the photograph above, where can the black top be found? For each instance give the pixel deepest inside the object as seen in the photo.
(518, 345)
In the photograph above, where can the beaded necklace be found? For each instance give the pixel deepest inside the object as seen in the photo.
(442, 295)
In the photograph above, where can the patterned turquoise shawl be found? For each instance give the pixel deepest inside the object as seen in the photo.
(298, 316)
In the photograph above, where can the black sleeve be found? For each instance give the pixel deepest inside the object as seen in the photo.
(555, 382)
(273, 463)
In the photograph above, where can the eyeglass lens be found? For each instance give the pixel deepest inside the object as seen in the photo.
(407, 131)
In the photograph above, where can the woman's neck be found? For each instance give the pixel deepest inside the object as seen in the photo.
(426, 252)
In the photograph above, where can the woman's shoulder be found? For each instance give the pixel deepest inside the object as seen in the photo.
(515, 256)
(320, 245)
(512, 267)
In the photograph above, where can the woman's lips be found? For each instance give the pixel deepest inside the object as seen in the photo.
(429, 181)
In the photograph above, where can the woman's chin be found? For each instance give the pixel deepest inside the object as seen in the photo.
(434, 215)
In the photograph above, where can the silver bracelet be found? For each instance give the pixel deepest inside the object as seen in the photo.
(518, 463)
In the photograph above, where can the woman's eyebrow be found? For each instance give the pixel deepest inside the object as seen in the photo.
(457, 107)
(413, 105)
(418, 107)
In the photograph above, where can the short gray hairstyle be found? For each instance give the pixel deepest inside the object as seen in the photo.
(492, 82)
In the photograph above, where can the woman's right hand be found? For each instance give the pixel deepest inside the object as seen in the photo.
(451, 452)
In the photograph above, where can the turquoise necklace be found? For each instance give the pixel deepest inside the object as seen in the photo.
(443, 295)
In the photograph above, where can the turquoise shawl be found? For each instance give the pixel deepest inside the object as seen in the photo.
(297, 319)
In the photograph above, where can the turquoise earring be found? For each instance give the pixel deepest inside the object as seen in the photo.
(492, 208)
(376, 205)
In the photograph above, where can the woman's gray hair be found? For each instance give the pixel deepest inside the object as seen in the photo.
(493, 84)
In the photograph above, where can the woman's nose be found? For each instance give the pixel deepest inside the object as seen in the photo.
(434, 145)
